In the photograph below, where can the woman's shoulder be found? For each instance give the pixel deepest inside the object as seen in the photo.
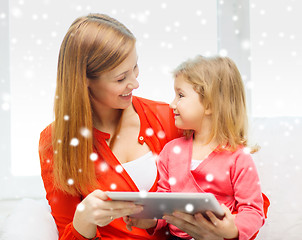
(45, 135)
(149, 102)
(45, 142)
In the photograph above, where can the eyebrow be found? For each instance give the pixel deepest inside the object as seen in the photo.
(125, 71)
(179, 89)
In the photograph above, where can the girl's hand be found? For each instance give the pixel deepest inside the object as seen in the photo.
(95, 211)
(139, 223)
(226, 227)
(195, 227)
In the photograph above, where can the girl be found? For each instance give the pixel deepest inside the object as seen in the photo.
(213, 156)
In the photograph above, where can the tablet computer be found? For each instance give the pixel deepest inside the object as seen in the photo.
(156, 204)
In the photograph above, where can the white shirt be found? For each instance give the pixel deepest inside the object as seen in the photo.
(143, 171)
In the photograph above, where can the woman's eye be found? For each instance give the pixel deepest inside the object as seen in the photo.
(122, 79)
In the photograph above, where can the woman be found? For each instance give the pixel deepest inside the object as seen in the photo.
(100, 130)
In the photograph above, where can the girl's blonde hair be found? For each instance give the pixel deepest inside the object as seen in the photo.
(94, 44)
(219, 84)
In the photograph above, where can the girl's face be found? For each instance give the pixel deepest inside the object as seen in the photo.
(113, 89)
(187, 107)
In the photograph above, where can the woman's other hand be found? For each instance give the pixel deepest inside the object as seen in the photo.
(95, 211)
(139, 223)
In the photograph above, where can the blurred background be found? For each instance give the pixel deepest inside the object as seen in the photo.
(263, 38)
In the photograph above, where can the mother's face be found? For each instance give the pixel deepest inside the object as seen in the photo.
(113, 89)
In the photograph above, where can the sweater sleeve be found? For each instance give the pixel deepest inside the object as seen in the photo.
(248, 195)
(62, 205)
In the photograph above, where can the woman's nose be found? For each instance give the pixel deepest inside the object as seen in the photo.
(134, 84)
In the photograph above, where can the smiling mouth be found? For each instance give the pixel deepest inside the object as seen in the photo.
(126, 95)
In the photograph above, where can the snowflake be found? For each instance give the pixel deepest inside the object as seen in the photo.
(161, 134)
(247, 150)
(16, 12)
(235, 18)
(2, 15)
(143, 194)
(142, 18)
(203, 21)
(162, 207)
(149, 132)
(54, 34)
(5, 106)
(81, 207)
(172, 181)
(209, 177)
(66, 117)
(70, 181)
(189, 207)
(223, 52)
(113, 186)
(262, 12)
(198, 12)
(164, 5)
(177, 149)
(93, 156)
(74, 142)
(103, 166)
(85, 132)
(245, 44)
(119, 168)
(35, 17)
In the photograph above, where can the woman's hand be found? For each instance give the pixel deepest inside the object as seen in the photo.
(95, 211)
(139, 223)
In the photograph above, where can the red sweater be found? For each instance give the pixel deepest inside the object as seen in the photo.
(154, 115)
(231, 176)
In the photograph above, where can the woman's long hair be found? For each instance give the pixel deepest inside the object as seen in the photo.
(94, 44)
(220, 87)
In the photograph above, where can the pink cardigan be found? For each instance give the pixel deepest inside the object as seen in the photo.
(231, 176)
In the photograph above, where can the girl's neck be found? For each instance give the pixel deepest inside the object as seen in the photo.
(202, 135)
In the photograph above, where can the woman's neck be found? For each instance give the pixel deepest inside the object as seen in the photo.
(106, 119)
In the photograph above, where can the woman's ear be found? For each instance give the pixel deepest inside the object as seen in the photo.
(88, 82)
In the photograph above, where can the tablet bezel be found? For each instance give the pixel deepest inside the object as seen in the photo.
(157, 204)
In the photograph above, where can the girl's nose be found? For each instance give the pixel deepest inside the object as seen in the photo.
(173, 104)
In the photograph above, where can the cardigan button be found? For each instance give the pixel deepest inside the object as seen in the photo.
(141, 138)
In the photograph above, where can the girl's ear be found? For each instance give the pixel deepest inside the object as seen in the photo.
(208, 110)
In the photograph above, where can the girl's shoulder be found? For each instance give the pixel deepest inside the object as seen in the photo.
(178, 143)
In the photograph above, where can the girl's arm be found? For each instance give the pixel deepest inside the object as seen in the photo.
(247, 192)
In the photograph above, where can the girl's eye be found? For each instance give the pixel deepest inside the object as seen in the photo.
(180, 95)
